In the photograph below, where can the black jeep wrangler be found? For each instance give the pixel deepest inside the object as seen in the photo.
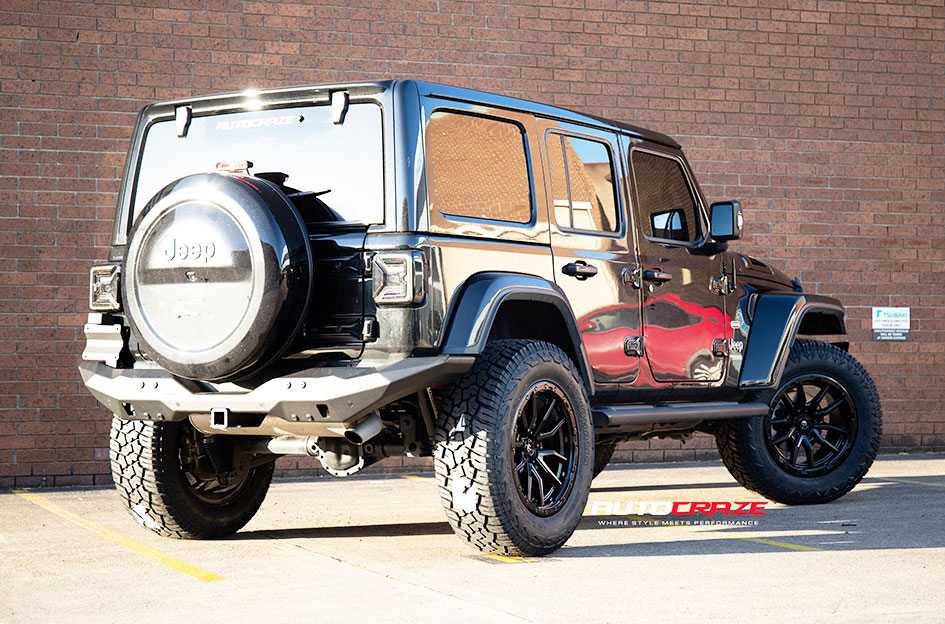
(369, 270)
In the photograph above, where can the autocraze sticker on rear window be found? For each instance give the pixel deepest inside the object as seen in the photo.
(264, 122)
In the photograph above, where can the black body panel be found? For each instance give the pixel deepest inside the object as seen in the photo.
(340, 282)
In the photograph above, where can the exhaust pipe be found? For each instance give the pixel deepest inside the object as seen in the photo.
(286, 445)
(365, 430)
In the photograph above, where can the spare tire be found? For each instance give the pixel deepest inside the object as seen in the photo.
(217, 276)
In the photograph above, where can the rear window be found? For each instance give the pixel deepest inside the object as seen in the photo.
(479, 168)
(299, 148)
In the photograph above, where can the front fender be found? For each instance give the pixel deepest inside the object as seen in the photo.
(477, 303)
(775, 322)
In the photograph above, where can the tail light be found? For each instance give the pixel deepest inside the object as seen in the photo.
(103, 288)
(398, 278)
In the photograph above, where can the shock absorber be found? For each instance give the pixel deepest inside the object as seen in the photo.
(219, 453)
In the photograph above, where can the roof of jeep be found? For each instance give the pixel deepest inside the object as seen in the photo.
(459, 93)
(442, 91)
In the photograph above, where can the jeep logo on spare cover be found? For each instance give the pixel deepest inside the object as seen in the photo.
(403, 268)
(183, 250)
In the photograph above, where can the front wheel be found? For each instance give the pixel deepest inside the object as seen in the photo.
(174, 481)
(820, 435)
(515, 449)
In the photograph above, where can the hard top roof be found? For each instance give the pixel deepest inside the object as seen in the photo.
(443, 91)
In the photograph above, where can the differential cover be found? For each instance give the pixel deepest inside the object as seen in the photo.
(217, 276)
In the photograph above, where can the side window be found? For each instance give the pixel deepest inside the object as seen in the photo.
(667, 208)
(478, 168)
(582, 184)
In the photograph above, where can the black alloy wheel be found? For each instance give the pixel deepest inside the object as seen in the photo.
(514, 449)
(820, 435)
(544, 448)
(207, 485)
(811, 426)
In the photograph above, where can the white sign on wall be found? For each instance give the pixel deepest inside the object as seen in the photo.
(890, 323)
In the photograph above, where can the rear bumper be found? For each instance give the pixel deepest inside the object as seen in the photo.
(327, 395)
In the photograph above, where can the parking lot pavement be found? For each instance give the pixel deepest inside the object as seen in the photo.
(379, 549)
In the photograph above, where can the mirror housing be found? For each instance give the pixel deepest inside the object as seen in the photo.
(726, 221)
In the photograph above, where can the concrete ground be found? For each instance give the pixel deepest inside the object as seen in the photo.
(378, 549)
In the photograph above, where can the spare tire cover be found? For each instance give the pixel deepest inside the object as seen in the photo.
(217, 276)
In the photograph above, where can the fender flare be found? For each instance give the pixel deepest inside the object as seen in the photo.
(770, 339)
(478, 301)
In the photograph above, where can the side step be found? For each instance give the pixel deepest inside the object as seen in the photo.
(619, 416)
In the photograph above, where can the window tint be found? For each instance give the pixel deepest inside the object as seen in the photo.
(478, 167)
(582, 183)
(666, 204)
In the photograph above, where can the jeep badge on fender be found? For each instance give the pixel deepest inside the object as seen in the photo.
(408, 269)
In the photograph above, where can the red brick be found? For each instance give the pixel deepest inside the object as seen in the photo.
(825, 118)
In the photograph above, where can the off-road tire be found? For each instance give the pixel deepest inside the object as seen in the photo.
(147, 472)
(603, 451)
(473, 450)
(745, 452)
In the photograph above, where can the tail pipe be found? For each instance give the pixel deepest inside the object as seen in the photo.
(365, 430)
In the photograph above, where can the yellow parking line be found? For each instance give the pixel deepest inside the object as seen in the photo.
(121, 540)
(911, 482)
(416, 477)
(758, 540)
(761, 540)
(505, 559)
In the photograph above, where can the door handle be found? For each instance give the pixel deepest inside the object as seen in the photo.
(655, 275)
(580, 270)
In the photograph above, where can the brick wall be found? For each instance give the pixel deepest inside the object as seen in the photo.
(824, 118)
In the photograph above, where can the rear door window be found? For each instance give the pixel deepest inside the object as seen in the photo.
(582, 184)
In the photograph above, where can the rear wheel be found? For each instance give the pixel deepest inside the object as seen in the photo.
(167, 474)
(515, 449)
(820, 435)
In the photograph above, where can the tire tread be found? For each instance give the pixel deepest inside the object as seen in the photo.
(143, 471)
(735, 439)
(475, 399)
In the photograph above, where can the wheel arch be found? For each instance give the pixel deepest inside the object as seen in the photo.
(825, 325)
(496, 305)
(779, 318)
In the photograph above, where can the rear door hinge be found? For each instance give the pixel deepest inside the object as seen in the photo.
(633, 346)
(632, 277)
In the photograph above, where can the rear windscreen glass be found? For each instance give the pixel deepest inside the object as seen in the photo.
(299, 148)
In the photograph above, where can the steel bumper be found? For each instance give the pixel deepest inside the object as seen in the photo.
(327, 395)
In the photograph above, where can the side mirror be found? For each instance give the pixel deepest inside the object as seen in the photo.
(727, 221)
